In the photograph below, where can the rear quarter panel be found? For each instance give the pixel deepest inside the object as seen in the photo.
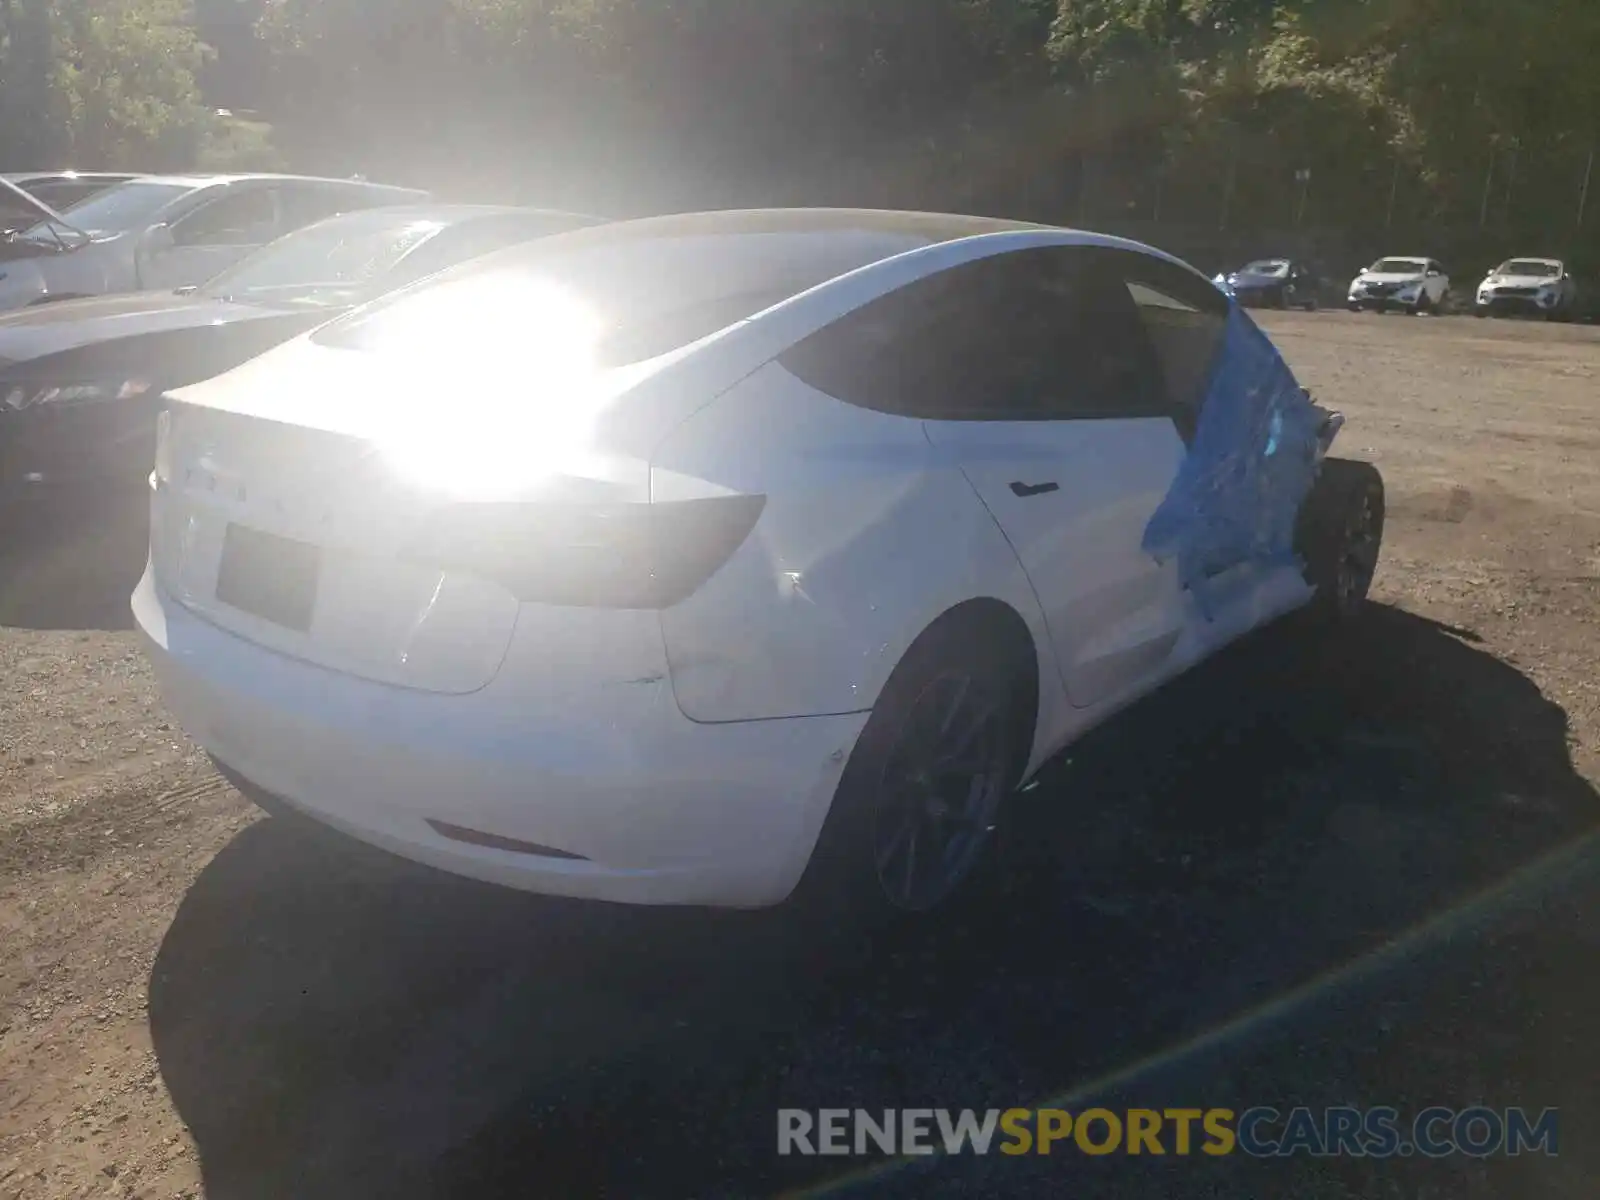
(868, 536)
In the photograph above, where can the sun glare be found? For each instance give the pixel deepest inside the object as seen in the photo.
(509, 370)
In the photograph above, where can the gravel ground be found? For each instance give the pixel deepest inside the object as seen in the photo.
(194, 1000)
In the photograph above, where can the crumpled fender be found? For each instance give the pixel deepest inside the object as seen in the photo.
(1255, 455)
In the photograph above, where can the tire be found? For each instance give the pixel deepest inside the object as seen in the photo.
(1340, 536)
(1355, 308)
(895, 796)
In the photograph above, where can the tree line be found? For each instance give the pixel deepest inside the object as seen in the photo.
(1369, 114)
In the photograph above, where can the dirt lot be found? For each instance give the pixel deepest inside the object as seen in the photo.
(197, 1001)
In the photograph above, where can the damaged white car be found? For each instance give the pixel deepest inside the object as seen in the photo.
(727, 558)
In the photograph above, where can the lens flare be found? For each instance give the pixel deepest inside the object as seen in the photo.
(508, 368)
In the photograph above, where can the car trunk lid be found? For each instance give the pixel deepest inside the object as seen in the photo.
(286, 522)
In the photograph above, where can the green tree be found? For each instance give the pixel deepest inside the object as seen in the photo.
(99, 82)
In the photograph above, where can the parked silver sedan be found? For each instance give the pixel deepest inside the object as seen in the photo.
(168, 231)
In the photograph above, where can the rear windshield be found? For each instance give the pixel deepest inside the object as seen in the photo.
(501, 313)
(333, 261)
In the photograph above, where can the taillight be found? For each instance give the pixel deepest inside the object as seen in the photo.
(591, 555)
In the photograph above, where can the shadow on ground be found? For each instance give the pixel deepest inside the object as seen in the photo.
(332, 1022)
(73, 571)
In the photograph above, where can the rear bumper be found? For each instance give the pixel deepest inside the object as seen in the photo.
(655, 808)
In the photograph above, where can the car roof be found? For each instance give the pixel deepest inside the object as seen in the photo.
(35, 176)
(892, 225)
(1534, 258)
(200, 181)
(777, 253)
(457, 212)
(770, 246)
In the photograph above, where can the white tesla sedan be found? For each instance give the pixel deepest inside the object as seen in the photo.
(691, 559)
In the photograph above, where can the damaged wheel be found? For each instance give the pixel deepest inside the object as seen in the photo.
(1340, 535)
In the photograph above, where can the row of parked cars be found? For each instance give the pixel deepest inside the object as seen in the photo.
(154, 282)
(1542, 287)
(718, 558)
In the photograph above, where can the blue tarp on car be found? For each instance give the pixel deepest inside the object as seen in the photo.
(1249, 468)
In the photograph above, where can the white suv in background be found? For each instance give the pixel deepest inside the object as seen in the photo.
(1411, 284)
(1541, 286)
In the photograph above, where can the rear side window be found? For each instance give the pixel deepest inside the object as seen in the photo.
(1184, 317)
(1039, 334)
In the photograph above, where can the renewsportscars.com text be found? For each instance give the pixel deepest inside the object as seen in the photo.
(1262, 1132)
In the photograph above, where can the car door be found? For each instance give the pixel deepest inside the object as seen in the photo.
(214, 234)
(1055, 409)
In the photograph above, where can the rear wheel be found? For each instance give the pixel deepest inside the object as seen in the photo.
(916, 813)
(1340, 535)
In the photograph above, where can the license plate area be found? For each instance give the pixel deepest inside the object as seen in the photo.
(270, 577)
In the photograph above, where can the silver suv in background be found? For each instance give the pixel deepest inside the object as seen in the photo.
(169, 231)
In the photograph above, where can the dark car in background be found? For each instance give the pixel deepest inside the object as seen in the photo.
(1273, 283)
(56, 189)
(81, 380)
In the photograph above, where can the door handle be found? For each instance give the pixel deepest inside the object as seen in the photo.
(1025, 490)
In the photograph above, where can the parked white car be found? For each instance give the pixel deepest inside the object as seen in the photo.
(168, 231)
(1541, 286)
(1410, 284)
(692, 559)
